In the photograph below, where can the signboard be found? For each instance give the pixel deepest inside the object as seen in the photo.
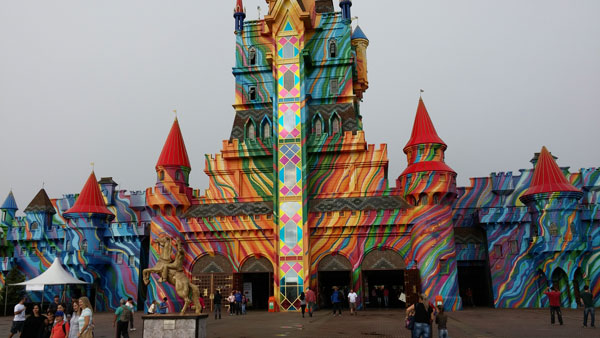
(169, 324)
(248, 292)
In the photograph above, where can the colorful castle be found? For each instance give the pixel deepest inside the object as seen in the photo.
(298, 199)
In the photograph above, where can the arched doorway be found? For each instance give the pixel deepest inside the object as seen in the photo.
(257, 281)
(212, 273)
(383, 278)
(333, 270)
(561, 282)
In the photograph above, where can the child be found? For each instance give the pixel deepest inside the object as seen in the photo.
(441, 320)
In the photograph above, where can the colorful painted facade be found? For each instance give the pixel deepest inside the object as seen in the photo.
(297, 198)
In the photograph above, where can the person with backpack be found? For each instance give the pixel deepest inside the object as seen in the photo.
(423, 316)
(122, 316)
(131, 306)
(61, 326)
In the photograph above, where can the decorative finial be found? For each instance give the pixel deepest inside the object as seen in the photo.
(92, 164)
(421, 91)
(355, 18)
(43, 185)
(175, 112)
(258, 9)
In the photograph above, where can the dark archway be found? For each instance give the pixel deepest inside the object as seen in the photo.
(210, 273)
(383, 278)
(333, 270)
(561, 282)
(257, 281)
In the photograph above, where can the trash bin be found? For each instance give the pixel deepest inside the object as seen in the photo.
(272, 304)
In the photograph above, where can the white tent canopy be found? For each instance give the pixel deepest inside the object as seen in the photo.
(55, 275)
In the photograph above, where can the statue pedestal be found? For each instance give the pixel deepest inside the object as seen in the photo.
(175, 326)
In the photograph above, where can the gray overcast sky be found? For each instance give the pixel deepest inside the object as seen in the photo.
(84, 81)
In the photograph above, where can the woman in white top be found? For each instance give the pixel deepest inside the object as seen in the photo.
(74, 323)
(85, 318)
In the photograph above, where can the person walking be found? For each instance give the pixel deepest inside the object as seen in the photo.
(162, 308)
(217, 299)
(423, 316)
(386, 296)
(33, 327)
(244, 303)
(85, 319)
(302, 303)
(131, 306)
(238, 303)
(61, 326)
(231, 300)
(554, 296)
(311, 299)
(441, 319)
(19, 319)
(153, 308)
(587, 301)
(352, 296)
(336, 301)
(74, 323)
(122, 317)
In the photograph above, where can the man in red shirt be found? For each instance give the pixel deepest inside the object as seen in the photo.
(311, 299)
(554, 297)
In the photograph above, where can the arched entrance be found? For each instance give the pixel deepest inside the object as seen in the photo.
(561, 282)
(212, 273)
(383, 278)
(333, 270)
(257, 281)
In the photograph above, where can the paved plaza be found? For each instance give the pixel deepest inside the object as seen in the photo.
(480, 322)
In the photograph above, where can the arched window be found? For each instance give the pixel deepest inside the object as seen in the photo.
(252, 56)
(250, 129)
(317, 125)
(266, 128)
(336, 124)
(252, 93)
(84, 245)
(33, 226)
(553, 230)
(332, 48)
(177, 175)
(131, 260)
(161, 175)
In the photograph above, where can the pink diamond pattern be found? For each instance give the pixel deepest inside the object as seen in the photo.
(295, 107)
(283, 41)
(296, 190)
(284, 107)
(295, 132)
(282, 69)
(293, 67)
(294, 92)
(284, 160)
(285, 218)
(285, 267)
(295, 159)
(285, 250)
(297, 267)
(296, 218)
(283, 134)
(283, 92)
(296, 250)
(285, 190)
(293, 39)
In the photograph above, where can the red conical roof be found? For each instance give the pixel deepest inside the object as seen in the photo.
(90, 199)
(423, 130)
(547, 176)
(174, 152)
(239, 6)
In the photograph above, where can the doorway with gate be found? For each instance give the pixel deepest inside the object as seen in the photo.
(383, 279)
(212, 273)
(257, 282)
(334, 270)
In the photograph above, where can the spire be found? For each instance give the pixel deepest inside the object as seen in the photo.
(174, 152)
(90, 199)
(358, 34)
(9, 202)
(239, 7)
(345, 6)
(423, 130)
(239, 13)
(547, 176)
(41, 203)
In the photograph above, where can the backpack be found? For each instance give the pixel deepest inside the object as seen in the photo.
(126, 314)
(64, 329)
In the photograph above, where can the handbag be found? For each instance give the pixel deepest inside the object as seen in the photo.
(87, 334)
(410, 322)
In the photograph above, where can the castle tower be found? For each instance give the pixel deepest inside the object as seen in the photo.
(345, 6)
(427, 180)
(8, 209)
(40, 210)
(172, 193)
(90, 215)
(360, 44)
(430, 185)
(239, 13)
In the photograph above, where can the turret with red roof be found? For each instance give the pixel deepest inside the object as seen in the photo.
(90, 201)
(427, 179)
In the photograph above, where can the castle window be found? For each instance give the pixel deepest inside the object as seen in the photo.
(266, 128)
(436, 199)
(177, 175)
(334, 87)
(67, 245)
(119, 258)
(317, 125)
(444, 267)
(498, 250)
(269, 216)
(335, 124)
(52, 250)
(553, 230)
(288, 50)
(514, 247)
(84, 245)
(161, 175)
(252, 56)
(533, 229)
(3, 215)
(33, 226)
(341, 214)
(250, 129)
(131, 260)
(257, 217)
(252, 93)
(332, 48)
(101, 246)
